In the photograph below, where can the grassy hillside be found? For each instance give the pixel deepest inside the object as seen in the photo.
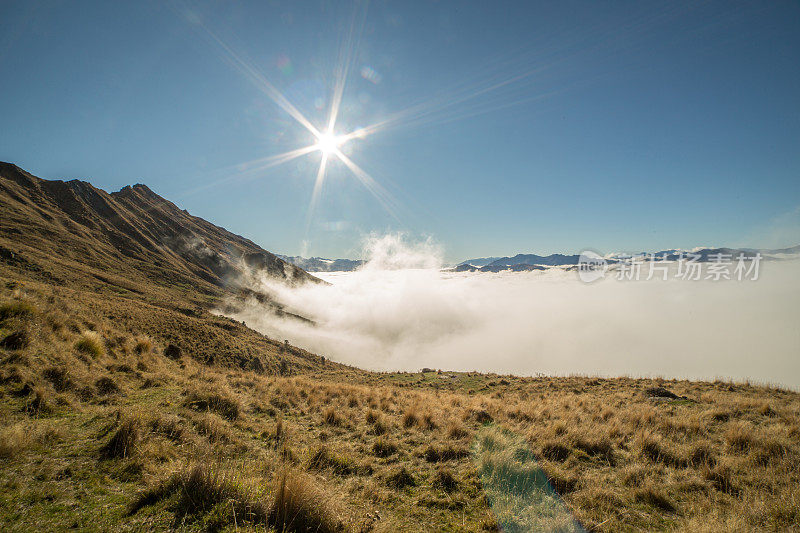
(126, 404)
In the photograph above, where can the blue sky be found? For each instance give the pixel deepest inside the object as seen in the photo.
(518, 126)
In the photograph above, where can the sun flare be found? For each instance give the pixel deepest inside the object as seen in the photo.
(328, 143)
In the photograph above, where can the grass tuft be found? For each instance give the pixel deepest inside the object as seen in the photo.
(209, 400)
(383, 448)
(400, 479)
(17, 310)
(16, 340)
(214, 427)
(13, 439)
(323, 458)
(555, 451)
(740, 437)
(143, 345)
(90, 343)
(331, 417)
(654, 498)
(410, 419)
(124, 441)
(445, 480)
(106, 386)
(298, 506)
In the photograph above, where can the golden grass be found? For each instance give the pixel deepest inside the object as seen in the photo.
(418, 453)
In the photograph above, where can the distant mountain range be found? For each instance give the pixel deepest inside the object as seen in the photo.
(525, 262)
(519, 267)
(320, 264)
(528, 262)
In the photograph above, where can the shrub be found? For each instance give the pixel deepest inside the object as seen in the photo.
(90, 343)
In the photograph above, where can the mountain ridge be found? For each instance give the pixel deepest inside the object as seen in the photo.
(134, 232)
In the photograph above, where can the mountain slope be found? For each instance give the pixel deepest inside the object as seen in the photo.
(133, 263)
(74, 231)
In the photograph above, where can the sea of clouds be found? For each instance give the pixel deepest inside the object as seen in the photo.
(402, 312)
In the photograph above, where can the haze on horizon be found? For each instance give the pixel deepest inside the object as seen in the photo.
(495, 128)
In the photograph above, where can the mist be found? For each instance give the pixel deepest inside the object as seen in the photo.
(401, 312)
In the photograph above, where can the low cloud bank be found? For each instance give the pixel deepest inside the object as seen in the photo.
(401, 313)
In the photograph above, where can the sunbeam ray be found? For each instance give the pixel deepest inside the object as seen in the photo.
(258, 79)
(350, 44)
(243, 174)
(378, 191)
(317, 190)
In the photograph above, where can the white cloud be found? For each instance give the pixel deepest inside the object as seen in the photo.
(401, 313)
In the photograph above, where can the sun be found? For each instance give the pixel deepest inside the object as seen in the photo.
(328, 143)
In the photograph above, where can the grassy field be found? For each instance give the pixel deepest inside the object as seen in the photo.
(124, 412)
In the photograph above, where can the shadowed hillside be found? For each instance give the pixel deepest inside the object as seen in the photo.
(70, 231)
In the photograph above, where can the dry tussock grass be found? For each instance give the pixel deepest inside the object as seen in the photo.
(90, 343)
(398, 444)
